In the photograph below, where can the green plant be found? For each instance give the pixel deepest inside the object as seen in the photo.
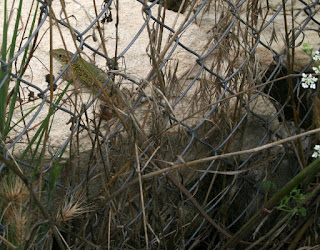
(292, 203)
(269, 186)
(309, 81)
(8, 100)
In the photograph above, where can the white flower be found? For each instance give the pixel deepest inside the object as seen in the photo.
(316, 70)
(308, 81)
(317, 151)
(317, 56)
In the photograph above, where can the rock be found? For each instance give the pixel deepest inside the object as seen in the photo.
(260, 120)
(134, 62)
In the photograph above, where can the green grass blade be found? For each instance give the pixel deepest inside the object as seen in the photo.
(3, 72)
(16, 89)
(44, 124)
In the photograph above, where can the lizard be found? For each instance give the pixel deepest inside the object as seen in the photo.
(87, 76)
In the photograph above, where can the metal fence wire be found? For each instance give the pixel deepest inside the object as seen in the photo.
(156, 171)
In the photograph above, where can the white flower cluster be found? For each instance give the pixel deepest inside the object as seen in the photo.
(309, 81)
(316, 70)
(317, 56)
(316, 154)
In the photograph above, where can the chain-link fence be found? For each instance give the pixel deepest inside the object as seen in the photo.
(168, 152)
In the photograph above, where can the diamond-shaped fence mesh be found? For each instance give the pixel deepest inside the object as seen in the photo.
(181, 124)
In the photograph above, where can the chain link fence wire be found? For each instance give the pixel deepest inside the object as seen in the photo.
(227, 101)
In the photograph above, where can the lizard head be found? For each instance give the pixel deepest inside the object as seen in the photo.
(61, 56)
